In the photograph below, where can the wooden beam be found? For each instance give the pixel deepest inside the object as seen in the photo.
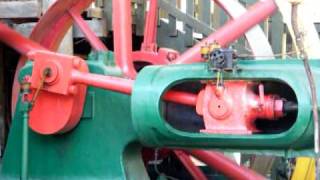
(197, 25)
(20, 9)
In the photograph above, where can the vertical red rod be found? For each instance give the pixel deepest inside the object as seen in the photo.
(232, 30)
(150, 29)
(94, 41)
(195, 172)
(225, 166)
(122, 32)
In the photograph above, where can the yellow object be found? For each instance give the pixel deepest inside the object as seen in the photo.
(305, 169)
(204, 50)
(214, 46)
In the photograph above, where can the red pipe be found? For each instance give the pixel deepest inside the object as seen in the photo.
(125, 86)
(232, 30)
(122, 33)
(17, 41)
(150, 29)
(181, 97)
(105, 82)
(194, 171)
(85, 29)
(224, 165)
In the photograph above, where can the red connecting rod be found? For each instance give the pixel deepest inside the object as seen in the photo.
(125, 86)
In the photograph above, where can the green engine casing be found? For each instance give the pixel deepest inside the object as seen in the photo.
(154, 131)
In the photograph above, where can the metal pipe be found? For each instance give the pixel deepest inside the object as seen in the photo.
(181, 97)
(125, 86)
(25, 148)
(105, 82)
(122, 33)
(25, 108)
(222, 164)
(232, 30)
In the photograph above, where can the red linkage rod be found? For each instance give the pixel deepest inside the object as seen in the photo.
(125, 86)
(232, 30)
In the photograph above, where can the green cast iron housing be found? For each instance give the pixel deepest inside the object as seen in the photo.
(153, 130)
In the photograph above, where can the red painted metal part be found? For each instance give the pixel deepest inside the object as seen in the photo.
(233, 109)
(125, 86)
(68, 72)
(49, 33)
(162, 56)
(149, 57)
(59, 105)
(232, 30)
(224, 165)
(149, 51)
(67, 107)
(122, 32)
(195, 172)
(89, 34)
(181, 97)
(105, 82)
(150, 31)
(52, 27)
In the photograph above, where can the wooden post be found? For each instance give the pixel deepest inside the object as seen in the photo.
(204, 11)
(187, 28)
(173, 21)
